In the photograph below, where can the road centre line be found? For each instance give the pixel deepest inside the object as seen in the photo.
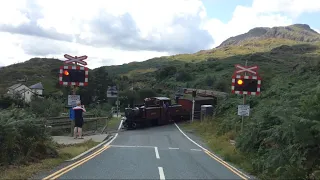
(128, 146)
(215, 157)
(195, 149)
(161, 173)
(157, 152)
(173, 148)
(64, 170)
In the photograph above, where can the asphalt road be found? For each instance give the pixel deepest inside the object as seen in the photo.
(155, 153)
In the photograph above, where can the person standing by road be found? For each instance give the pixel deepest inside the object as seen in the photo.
(78, 118)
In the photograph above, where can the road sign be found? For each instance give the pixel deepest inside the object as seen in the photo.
(73, 76)
(72, 99)
(76, 59)
(249, 85)
(112, 92)
(250, 69)
(243, 110)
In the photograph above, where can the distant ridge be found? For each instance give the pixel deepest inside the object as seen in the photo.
(296, 32)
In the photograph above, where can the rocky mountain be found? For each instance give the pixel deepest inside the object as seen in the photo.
(296, 32)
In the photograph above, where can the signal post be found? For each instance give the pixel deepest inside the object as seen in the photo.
(245, 84)
(73, 75)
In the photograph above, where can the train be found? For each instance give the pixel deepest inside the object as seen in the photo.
(155, 111)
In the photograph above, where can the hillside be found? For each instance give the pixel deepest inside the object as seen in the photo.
(256, 40)
(296, 32)
(30, 72)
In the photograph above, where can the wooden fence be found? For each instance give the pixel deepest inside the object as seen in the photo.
(64, 123)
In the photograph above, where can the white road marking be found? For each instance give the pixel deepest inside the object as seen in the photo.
(204, 149)
(121, 146)
(173, 148)
(196, 149)
(157, 153)
(161, 173)
(132, 146)
(87, 151)
(120, 125)
(111, 140)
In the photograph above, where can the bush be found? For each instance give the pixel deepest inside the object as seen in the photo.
(22, 138)
(46, 107)
(183, 76)
(6, 102)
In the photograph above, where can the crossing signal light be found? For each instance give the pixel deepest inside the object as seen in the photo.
(73, 75)
(66, 72)
(249, 85)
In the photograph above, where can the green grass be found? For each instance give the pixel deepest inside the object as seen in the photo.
(113, 123)
(64, 153)
(139, 71)
(220, 145)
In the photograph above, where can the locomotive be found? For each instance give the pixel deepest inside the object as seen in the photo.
(154, 111)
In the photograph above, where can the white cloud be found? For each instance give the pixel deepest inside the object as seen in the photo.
(244, 19)
(292, 7)
(17, 47)
(117, 32)
(10, 12)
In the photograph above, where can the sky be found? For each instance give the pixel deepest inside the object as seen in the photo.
(114, 32)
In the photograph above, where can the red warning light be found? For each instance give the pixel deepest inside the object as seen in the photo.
(66, 73)
(240, 82)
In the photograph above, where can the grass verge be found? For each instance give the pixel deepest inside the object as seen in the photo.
(65, 152)
(113, 123)
(219, 144)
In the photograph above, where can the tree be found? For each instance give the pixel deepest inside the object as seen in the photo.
(99, 84)
(166, 71)
(184, 76)
(145, 93)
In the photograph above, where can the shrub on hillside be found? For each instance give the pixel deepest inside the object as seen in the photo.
(183, 76)
(166, 72)
(43, 107)
(7, 101)
(22, 138)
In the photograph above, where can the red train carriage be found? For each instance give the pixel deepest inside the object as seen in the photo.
(155, 111)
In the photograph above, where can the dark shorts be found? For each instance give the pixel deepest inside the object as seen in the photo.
(78, 123)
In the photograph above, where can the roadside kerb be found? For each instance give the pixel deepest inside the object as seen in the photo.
(108, 138)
